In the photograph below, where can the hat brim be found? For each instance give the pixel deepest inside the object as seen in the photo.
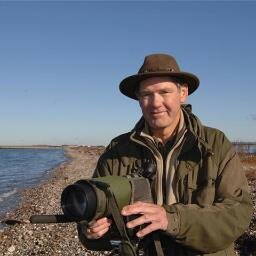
(129, 85)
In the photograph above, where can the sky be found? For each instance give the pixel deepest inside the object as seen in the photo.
(61, 63)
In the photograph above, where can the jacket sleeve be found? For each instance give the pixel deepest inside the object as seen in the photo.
(214, 227)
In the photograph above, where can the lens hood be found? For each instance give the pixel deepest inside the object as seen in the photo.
(79, 201)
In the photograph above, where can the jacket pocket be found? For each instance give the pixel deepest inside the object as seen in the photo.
(205, 192)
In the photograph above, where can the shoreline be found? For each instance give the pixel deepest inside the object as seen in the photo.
(31, 147)
(44, 198)
(42, 174)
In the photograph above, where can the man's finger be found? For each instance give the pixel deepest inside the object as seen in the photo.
(138, 208)
(145, 218)
(99, 222)
(147, 230)
(100, 226)
(92, 235)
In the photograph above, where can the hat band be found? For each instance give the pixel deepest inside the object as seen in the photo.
(156, 70)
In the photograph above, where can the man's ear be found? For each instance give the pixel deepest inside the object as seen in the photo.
(139, 103)
(183, 93)
(138, 96)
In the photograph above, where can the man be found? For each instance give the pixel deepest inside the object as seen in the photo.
(202, 204)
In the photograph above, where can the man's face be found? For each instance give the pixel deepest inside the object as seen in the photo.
(160, 100)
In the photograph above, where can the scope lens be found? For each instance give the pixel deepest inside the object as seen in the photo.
(79, 201)
(76, 202)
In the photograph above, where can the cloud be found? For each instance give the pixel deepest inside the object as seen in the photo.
(253, 116)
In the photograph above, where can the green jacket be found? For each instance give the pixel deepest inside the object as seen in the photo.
(213, 203)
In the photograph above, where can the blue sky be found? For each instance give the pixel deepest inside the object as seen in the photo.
(61, 64)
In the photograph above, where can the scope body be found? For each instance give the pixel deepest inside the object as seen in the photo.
(87, 199)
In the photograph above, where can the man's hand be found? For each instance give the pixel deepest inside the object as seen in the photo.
(151, 214)
(97, 228)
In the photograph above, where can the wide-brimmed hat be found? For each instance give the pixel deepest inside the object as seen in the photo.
(157, 65)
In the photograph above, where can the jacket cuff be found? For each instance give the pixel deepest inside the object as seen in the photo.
(173, 217)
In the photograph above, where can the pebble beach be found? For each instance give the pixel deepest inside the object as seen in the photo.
(25, 239)
(28, 239)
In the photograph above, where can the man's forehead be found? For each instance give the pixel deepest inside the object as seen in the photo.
(164, 80)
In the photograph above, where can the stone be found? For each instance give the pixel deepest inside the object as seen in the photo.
(11, 249)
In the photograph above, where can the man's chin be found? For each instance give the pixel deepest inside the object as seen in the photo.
(156, 125)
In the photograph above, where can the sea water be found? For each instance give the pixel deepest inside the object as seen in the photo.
(246, 148)
(23, 168)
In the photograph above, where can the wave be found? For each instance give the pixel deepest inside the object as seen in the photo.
(7, 194)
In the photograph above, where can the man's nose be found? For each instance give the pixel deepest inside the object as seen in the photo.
(156, 100)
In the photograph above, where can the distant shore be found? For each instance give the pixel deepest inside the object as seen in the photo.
(61, 239)
(31, 146)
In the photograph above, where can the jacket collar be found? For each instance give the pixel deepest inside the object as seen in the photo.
(196, 134)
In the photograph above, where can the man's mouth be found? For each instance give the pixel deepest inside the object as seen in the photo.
(157, 113)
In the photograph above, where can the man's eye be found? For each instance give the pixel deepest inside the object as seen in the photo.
(145, 94)
(165, 92)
